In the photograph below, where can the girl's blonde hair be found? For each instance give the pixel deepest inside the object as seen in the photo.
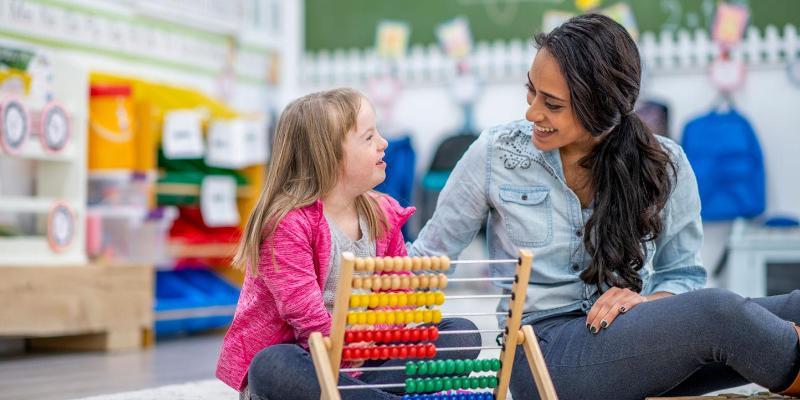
(305, 165)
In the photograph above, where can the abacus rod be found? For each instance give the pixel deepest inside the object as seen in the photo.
(366, 369)
(445, 349)
(374, 386)
(457, 262)
(499, 279)
(484, 314)
(479, 296)
(470, 331)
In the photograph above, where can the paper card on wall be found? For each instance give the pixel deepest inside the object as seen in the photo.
(226, 147)
(553, 19)
(183, 136)
(623, 14)
(455, 38)
(218, 201)
(256, 145)
(392, 39)
(729, 23)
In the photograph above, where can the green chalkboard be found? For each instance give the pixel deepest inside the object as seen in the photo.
(331, 24)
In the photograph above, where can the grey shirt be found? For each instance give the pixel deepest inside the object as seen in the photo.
(340, 243)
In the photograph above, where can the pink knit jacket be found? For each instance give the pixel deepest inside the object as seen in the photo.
(283, 304)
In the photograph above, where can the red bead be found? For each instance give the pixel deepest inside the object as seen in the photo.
(375, 353)
(424, 334)
(358, 354)
(402, 352)
(384, 353)
(393, 351)
(406, 335)
(369, 336)
(397, 335)
(348, 336)
(430, 350)
(358, 336)
(378, 337)
(412, 351)
(434, 332)
(415, 335)
(347, 354)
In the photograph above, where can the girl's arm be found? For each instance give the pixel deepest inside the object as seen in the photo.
(291, 278)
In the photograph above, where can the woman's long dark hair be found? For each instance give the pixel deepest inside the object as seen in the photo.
(631, 175)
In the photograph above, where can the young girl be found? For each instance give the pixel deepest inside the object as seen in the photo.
(317, 202)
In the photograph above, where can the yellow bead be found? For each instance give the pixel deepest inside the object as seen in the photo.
(394, 299)
(407, 264)
(400, 318)
(427, 316)
(381, 317)
(390, 317)
(409, 314)
(402, 299)
(354, 301)
(369, 265)
(405, 282)
(414, 282)
(416, 263)
(430, 299)
(444, 264)
(383, 299)
(439, 297)
(412, 299)
(437, 316)
(362, 318)
(359, 266)
(426, 263)
(373, 300)
(379, 266)
(418, 316)
(433, 282)
(371, 318)
(442, 281)
(352, 318)
(424, 282)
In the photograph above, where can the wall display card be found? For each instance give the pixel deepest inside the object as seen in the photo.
(218, 201)
(455, 38)
(183, 136)
(60, 227)
(391, 39)
(729, 23)
(14, 126)
(55, 128)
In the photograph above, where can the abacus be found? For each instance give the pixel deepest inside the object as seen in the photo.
(417, 285)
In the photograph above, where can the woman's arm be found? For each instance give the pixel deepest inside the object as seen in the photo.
(462, 206)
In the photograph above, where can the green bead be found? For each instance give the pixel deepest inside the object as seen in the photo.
(492, 382)
(456, 383)
(429, 385)
(488, 365)
(432, 367)
(496, 364)
(447, 384)
(473, 383)
(449, 367)
(483, 382)
(411, 385)
(437, 384)
(411, 368)
(441, 367)
(469, 365)
(460, 367)
(422, 368)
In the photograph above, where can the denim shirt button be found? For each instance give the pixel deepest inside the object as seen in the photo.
(585, 306)
(575, 268)
(579, 232)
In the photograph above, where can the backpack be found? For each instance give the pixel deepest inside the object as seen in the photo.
(726, 157)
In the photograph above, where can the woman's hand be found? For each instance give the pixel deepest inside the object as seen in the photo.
(610, 305)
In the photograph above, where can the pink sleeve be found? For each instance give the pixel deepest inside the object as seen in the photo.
(293, 280)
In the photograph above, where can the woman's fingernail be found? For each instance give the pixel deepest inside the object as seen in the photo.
(589, 326)
(603, 324)
(593, 330)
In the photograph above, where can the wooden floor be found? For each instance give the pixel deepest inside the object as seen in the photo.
(74, 375)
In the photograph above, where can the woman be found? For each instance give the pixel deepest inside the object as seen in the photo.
(612, 214)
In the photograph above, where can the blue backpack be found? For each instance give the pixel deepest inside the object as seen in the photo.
(726, 157)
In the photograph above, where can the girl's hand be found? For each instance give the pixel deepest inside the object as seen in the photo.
(610, 305)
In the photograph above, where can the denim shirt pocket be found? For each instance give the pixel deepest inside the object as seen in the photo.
(528, 214)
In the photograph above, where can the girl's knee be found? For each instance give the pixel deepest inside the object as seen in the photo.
(271, 364)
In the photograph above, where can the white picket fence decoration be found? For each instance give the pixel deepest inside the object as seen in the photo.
(668, 52)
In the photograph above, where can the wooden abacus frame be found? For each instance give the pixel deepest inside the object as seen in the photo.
(326, 352)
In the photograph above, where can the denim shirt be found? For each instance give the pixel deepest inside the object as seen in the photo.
(522, 194)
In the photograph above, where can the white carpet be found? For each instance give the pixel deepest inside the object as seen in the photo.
(212, 389)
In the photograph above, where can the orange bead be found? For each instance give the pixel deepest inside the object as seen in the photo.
(414, 282)
(405, 282)
(442, 281)
(407, 264)
(387, 282)
(424, 281)
(388, 264)
(416, 263)
(367, 284)
(434, 263)
(377, 283)
(444, 263)
(395, 282)
(357, 283)
(433, 282)
(369, 265)
(359, 265)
